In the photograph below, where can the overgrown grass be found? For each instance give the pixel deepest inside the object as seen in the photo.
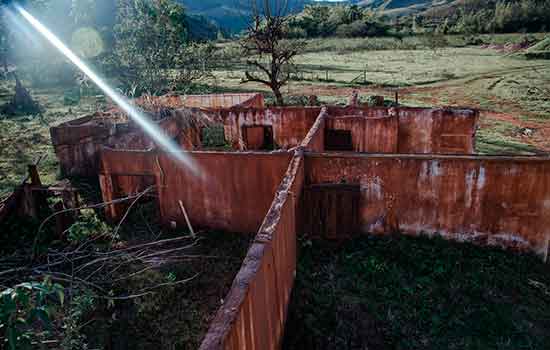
(347, 45)
(25, 139)
(496, 138)
(177, 317)
(417, 293)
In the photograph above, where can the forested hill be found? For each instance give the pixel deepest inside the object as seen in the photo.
(231, 15)
(475, 16)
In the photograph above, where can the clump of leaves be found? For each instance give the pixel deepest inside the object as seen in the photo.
(152, 52)
(26, 312)
(87, 226)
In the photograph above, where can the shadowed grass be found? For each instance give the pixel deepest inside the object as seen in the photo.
(418, 293)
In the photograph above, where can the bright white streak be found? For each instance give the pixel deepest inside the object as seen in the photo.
(156, 133)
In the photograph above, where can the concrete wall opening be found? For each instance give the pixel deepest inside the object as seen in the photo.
(213, 136)
(338, 140)
(258, 137)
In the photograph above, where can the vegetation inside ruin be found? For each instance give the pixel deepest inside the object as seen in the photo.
(417, 293)
(107, 287)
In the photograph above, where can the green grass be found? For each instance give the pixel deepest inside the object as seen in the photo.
(24, 139)
(347, 45)
(496, 138)
(417, 293)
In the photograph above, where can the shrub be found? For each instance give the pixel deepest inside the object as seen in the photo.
(26, 310)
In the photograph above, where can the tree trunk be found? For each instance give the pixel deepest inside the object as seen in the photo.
(278, 96)
(22, 102)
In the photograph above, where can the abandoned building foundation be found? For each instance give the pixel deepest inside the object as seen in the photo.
(331, 172)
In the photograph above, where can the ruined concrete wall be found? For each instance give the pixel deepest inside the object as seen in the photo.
(420, 130)
(254, 312)
(373, 134)
(124, 173)
(315, 139)
(440, 131)
(290, 124)
(78, 143)
(489, 200)
(249, 100)
(231, 191)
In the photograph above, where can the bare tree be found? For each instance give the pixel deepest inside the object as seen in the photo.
(269, 55)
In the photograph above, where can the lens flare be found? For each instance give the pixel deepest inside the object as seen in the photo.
(150, 128)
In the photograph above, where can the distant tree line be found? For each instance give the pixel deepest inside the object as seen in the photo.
(468, 17)
(343, 21)
(489, 16)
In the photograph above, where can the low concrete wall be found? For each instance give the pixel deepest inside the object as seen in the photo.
(255, 310)
(407, 130)
(124, 173)
(216, 101)
(232, 191)
(290, 124)
(375, 130)
(490, 200)
(78, 143)
(315, 138)
(373, 134)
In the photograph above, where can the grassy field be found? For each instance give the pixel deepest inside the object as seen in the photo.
(518, 90)
(25, 139)
(417, 293)
(513, 94)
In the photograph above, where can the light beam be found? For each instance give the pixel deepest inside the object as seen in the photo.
(150, 128)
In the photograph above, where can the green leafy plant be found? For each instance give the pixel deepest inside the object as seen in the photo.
(80, 308)
(88, 225)
(26, 311)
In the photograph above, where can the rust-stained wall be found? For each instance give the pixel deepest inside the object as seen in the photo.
(375, 130)
(255, 310)
(373, 135)
(440, 131)
(217, 101)
(315, 138)
(407, 130)
(290, 124)
(232, 191)
(490, 200)
(78, 143)
(124, 173)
